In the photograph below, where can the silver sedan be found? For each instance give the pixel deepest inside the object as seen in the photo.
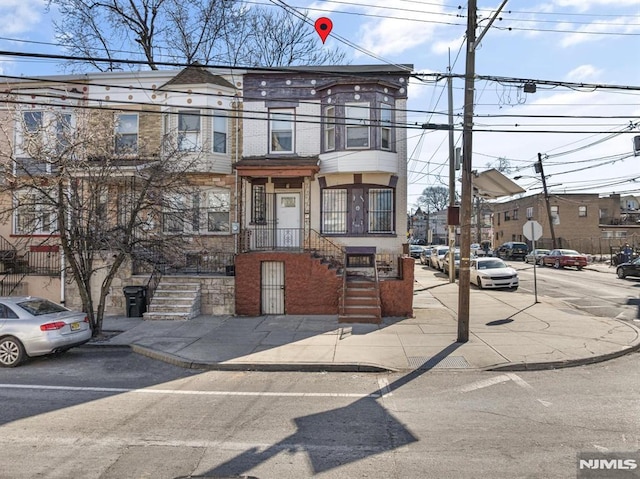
(31, 326)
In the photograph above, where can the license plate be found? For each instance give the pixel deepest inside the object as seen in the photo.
(75, 326)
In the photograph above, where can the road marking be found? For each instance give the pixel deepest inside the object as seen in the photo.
(519, 381)
(187, 392)
(485, 383)
(384, 387)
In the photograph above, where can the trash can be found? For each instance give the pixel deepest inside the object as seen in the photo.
(136, 300)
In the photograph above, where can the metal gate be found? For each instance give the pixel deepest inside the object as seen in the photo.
(272, 287)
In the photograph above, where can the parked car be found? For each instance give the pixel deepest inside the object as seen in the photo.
(631, 268)
(31, 326)
(561, 258)
(512, 250)
(437, 253)
(490, 272)
(425, 255)
(535, 256)
(456, 260)
(415, 250)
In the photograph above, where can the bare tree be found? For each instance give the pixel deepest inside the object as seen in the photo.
(66, 183)
(276, 38)
(433, 198)
(185, 31)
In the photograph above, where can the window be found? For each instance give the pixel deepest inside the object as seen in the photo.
(64, 130)
(380, 210)
(33, 213)
(357, 121)
(330, 128)
(515, 214)
(127, 133)
(554, 210)
(217, 211)
(358, 210)
(32, 121)
(529, 212)
(582, 211)
(282, 134)
(334, 211)
(204, 211)
(30, 132)
(219, 133)
(188, 131)
(507, 216)
(385, 129)
(175, 213)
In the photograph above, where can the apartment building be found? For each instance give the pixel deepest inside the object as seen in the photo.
(135, 121)
(590, 223)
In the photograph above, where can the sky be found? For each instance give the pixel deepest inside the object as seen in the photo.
(584, 134)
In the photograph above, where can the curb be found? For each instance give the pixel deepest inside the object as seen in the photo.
(265, 367)
(569, 363)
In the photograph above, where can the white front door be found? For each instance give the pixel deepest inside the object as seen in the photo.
(288, 221)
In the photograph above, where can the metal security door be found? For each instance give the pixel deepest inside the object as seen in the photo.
(357, 211)
(272, 287)
(288, 220)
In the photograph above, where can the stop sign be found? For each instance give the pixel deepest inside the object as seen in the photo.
(532, 230)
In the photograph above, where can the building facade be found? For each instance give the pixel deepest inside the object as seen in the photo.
(290, 179)
(589, 223)
(323, 171)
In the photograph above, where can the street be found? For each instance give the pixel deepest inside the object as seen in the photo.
(342, 425)
(595, 292)
(110, 413)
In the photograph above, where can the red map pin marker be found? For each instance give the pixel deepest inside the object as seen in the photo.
(323, 27)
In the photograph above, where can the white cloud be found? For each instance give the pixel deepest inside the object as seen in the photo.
(585, 5)
(584, 73)
(596, 31)
(24, 15)
(403, 26)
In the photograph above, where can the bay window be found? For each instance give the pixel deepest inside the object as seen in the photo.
(219, 133)
(385, 128)
(330, 128)
(357, 119)
(189, 138)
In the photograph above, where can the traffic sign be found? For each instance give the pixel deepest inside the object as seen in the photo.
(532, 230)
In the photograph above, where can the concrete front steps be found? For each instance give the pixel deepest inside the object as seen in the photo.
(175, 298)
(361, 302)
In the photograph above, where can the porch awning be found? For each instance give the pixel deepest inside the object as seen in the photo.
(281, 167)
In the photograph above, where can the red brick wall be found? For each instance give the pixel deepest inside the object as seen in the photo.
(396, 295)
(310, 287)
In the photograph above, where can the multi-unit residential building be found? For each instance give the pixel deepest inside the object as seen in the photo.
(323, 193)
(293, 184)
(589, 223)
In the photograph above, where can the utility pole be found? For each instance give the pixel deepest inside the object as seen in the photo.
(452, 182)
(466, 204)
(540, 169)
(467, 186)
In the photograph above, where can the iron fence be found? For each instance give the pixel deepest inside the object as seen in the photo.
(189, 262)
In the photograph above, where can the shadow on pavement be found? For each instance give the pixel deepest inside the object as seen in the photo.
(339, 436)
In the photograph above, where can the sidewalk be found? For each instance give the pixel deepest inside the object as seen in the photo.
(507, 332)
